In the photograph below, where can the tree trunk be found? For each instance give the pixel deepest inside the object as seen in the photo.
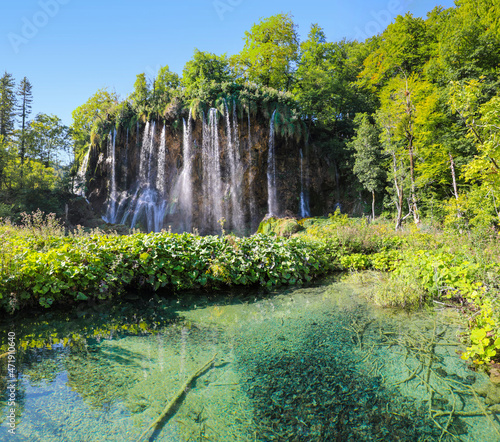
(373, 205)
(399, 192)
(416, 217)
(409, 132)
(337, 182)
(452, 167)
(453, 176)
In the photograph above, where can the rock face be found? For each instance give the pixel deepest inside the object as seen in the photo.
(188, 176)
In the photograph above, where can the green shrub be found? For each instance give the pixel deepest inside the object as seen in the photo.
(56, 269)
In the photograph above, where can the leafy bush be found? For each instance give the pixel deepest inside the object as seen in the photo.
(57, 269)
(40, 265)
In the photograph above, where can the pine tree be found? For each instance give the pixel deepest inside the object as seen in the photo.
(7, 105)
(23, 112)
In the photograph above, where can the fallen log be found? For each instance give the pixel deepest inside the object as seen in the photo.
(180, 393)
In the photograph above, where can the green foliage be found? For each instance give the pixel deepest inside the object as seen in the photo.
(140, 97)
(165, 88)
(204, 73)
(7, 105)
(404, 48)
(285, 227)
(23, 112)
(369, 159)
(86, 116)
(46, 269)
(468, 41)
(356, 261)
(484, 337)
(270, 52)
(47, 138)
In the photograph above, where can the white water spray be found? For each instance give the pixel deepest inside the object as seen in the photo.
(160, 175)
(304, 201)
(272, 197)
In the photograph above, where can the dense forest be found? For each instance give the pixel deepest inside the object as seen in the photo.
(406, 120)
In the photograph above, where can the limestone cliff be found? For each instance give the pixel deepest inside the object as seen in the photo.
(140, 177)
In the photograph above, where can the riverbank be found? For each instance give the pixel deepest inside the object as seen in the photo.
(411, 269)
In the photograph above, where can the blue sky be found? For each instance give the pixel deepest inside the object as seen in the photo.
(69, 49)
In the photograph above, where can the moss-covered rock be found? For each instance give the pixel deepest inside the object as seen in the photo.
(285, 227)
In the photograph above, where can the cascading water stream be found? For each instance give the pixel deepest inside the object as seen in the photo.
(111, 212)
(125, 162)
(151, 154)
(213, 177)
(144, 156)
(251, 176)
(212, 174)
(147, 204)
(304, 201)
(79, 185)
(184, 185)
(160, 175)
(272, 197)
(233, 156)
(238, 212)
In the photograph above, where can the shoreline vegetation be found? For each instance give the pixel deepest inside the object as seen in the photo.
(418, 267)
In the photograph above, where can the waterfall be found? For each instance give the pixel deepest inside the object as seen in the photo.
(125, 162)
(233, 156)
(147, 154)
(152, 208)
(304, 200)
(143, 162)
(151, 153)
(212, 174)
(79, 184)
(211, 177)
(160, 175)
(111, 213)
(251, 176)
(147, 204)
(272, 197)
(184, 185)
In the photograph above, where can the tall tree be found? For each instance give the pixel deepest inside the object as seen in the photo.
(387, 118)
(469, 41)
(442, 145)
(23, 112)
(141, 95)
(328, 98)
(483, 123)
(404, 48)
(368, 165)
(4, 157)
(48, 138)
(398, 102)
(7, 105)
(203, 75)
(270, 52)
(164, 85)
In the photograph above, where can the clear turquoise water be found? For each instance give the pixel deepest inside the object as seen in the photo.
(304, 364)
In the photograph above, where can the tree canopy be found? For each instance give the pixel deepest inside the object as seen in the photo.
(270, 53)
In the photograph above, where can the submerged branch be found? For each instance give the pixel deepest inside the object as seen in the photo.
(168, 409)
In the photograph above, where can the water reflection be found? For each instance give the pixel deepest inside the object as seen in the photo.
(305, 364)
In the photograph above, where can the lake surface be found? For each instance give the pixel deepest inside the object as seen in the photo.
(301, 364)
